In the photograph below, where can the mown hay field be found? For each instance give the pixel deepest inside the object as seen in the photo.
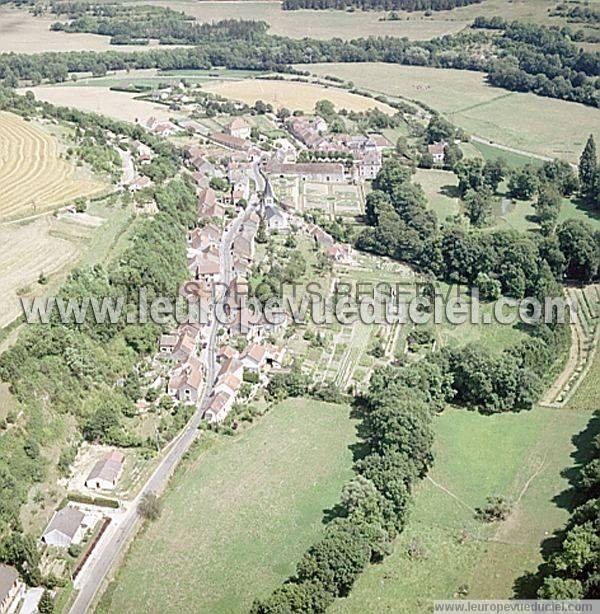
(293, 95)
(33, 178)
(535, 124)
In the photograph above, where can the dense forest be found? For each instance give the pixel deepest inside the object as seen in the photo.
(524, 57)
(378, 5)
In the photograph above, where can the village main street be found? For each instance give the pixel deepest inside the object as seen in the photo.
(121, 529)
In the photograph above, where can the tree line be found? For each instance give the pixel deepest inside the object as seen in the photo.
(524, 58)
(377, 5)
(397, 436)
(543, 60)
(128, 23)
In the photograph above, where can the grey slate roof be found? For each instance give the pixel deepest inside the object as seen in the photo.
(66, 521)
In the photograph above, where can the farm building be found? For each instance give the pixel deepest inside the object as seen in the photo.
(65, 528)
(106, 472)
(11, 588)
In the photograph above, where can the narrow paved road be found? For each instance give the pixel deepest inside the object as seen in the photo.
(110, 547)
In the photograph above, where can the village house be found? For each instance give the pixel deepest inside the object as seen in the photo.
(65, 528)
(11, 587)
(243, 248)
(254, 357)
(106, 472)
(165, 129)
(240, 266)
(436, 150)
(226, 352)
(239, 179)
(192, 126)
(184, 348)
(140, 183)
(219, 407)
(229, 384)
(167, 343)
(340, 253)
(202, 165)
(233, 366)
(207, 267)
(186, 381)
(208, 204)
(199, 294)
(238, 128)
(322, 238)
(368, 164)
(381, 142)
(275, 219)
(202, 179)
(143, 152)
(201, 238)
(308, 130)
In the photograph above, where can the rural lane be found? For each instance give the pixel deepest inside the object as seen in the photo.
(112, 543)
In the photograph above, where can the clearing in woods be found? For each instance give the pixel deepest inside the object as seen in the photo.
(237, 518)
(544, 126)
(293, 95)
(33, 178)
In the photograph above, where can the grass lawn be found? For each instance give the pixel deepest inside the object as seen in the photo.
(440, 189)
(519, 456)
(239, 517)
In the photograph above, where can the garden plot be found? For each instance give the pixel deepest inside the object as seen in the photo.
(347, 200)
(316, 196)
(287, 190)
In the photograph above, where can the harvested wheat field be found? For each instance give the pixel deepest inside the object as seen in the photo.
(99, 99)
(293, 95)
(33, 178)
(26, 250)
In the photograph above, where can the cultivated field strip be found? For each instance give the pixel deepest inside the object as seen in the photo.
(33, 178)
